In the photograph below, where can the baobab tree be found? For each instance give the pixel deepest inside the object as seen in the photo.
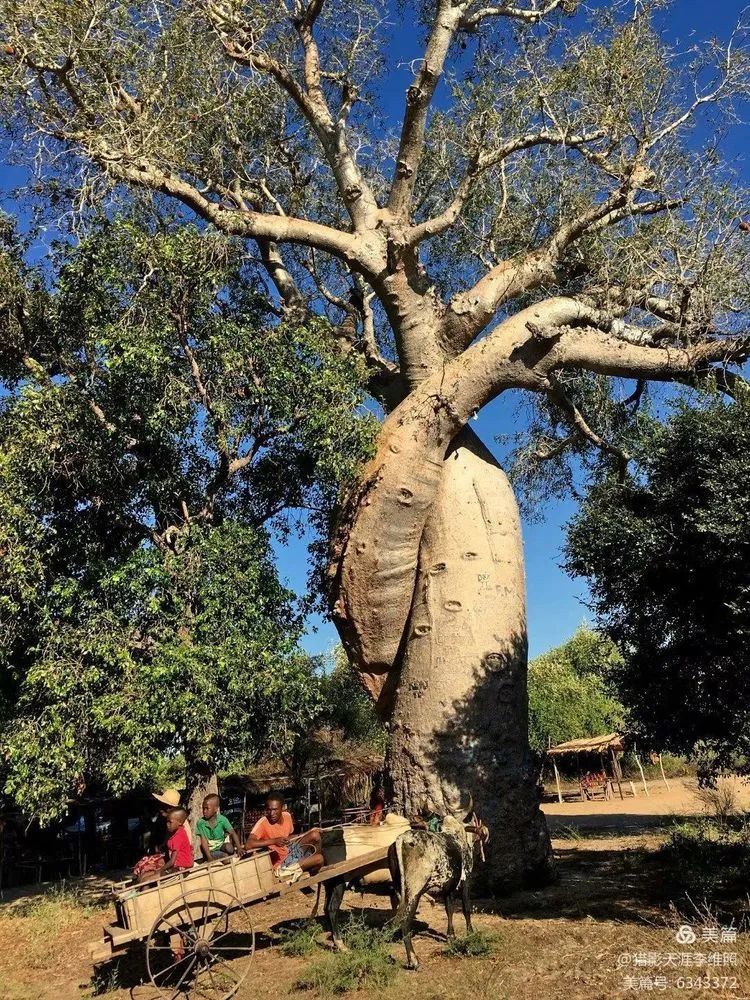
(539, 208)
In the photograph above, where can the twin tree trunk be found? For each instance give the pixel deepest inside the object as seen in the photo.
(459, 722)
(452, 686)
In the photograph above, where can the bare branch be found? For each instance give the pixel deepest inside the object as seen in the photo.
(418, 100)
(573, 415)
(481, 162)
(527, 15)
(239, 43)
(549, 451)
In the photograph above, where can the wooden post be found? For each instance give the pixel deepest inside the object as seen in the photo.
(557, 781)
(615, 769)
(580, 779)
(643, 776)
(632, 789)
(663, 775)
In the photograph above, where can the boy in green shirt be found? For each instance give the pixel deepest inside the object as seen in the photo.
(213, 830)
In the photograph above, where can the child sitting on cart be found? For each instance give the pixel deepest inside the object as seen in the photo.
(213, 830)
(291, 856)
(179, 848)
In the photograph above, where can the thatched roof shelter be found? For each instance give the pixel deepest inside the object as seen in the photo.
(590, 744)
(606, 747)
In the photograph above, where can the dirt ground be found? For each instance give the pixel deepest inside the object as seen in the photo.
(604, 929)
(662, 804)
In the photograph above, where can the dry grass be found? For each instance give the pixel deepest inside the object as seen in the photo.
(37, 935)
(722, 801)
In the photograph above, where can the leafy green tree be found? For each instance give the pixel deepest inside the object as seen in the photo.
(348, 709)
(570, 691)
(345, 720)
(665, 554)
(154, 427)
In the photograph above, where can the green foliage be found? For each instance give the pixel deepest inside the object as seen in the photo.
(146, 659)
(570, 692)
(300, 941)
(706, 865)
(472, 945)
(674, 767)
(367, 965)
(155, 424)
(665, 558)
(348, 708)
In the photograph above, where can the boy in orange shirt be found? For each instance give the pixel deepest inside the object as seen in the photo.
(291, 856)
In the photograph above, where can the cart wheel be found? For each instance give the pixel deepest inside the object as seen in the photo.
(200, 945)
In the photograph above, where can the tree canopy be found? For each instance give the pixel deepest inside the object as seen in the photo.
(154, 427)
(571, 693)
(665, 555)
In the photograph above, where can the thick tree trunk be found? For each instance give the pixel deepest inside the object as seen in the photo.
(201, 780)
(459, 722)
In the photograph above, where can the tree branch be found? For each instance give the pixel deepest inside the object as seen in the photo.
(481, 162)
(472, 310)
(240, 45)
(418, 100)
(573, 415)
(234, 221)
(533, 15)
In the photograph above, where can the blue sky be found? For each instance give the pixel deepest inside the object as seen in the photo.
(556, 604)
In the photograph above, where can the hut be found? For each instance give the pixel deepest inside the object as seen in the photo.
(592, 782)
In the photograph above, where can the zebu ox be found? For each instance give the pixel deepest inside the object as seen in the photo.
(419, 862)
(438, 864)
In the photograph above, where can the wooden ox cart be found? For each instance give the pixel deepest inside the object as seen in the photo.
(198, 927)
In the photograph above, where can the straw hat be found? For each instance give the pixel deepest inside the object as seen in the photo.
(168, 797)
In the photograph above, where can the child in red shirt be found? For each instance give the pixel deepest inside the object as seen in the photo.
(179, 847)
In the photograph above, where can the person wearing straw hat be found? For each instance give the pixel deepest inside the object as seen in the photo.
(168, 797)
(156, 834)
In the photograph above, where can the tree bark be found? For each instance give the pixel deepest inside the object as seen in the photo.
(201, 780)
(459, 722)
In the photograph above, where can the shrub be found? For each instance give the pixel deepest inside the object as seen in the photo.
(300, 940)
(471, 945)
(367, 965)
(708, 864)
(721, 800)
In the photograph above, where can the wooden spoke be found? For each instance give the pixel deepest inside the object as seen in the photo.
(173, 966)
(183, 977)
